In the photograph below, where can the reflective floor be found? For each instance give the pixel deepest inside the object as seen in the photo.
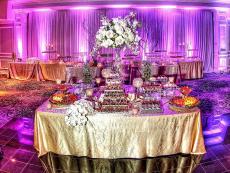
(16, 140)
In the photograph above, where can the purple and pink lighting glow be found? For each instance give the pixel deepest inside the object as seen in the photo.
(43, 10)
(83, 8)
(124, 6)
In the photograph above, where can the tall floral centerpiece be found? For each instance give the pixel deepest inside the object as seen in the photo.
(118, 33)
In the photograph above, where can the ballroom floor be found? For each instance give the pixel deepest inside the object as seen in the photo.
(16, 134)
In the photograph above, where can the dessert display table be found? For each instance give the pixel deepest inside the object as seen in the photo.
(119, 134)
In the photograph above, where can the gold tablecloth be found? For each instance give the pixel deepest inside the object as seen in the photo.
(191, 69)
(22, 71)
(119, 135)
(52, 71)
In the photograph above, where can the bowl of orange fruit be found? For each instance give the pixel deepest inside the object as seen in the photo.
(184, 103)
(63, 98)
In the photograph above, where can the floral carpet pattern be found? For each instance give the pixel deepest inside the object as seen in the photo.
(21, 98)
(213, 91)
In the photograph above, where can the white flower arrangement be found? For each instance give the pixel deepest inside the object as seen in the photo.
(118, 33)
(78, 112)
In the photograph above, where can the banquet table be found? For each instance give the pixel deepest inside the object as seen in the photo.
(187, 69)
(191, 69)
(119, 135)
(23, 70)
(52, 71)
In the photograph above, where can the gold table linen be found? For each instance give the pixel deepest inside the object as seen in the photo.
(22, 71)
(52, 71)
(191, 69)
(119, 135)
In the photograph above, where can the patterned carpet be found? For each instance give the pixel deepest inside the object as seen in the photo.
(20, 98)
(214, 92)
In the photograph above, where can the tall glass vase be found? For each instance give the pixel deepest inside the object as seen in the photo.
(117, 62)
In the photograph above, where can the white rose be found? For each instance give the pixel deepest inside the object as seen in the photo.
(103, 33)
(128, 30)
(123, 23)
(131, 37)
(107, 43)
(109, 34)
(118, 29)
(104, 44)
(105, 22)
(135, 23)
(99, 36)
(119, 41)
(115, 20)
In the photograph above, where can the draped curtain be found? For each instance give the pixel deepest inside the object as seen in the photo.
(73, 31)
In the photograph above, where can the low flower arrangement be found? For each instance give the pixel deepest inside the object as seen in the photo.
(77, 113)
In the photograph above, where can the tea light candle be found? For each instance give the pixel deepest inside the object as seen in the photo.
(98, 80)
(106, 73)
(49, 106)
(89, 92)
(99, 65)
(137, 82)
(58, 81)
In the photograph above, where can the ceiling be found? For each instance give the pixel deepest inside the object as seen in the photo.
(17, 4)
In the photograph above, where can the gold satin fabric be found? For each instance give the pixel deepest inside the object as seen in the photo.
(119, 135)
(22, 71)
(52, 71)
(191, 69)
(148, 165)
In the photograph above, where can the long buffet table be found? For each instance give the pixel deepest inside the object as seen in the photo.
(192, 69)
(40, 71)
(119, 135)
(46, 71)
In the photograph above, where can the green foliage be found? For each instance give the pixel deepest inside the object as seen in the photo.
(146, 71)
(87, 77)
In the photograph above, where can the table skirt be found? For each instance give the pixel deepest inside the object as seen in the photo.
(22, 71)
(116, 135)
(52, 71)
(191, 70)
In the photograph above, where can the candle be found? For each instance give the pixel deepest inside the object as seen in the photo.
(98, 80)
(58, 81)
(89, 92)
(99, 65)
